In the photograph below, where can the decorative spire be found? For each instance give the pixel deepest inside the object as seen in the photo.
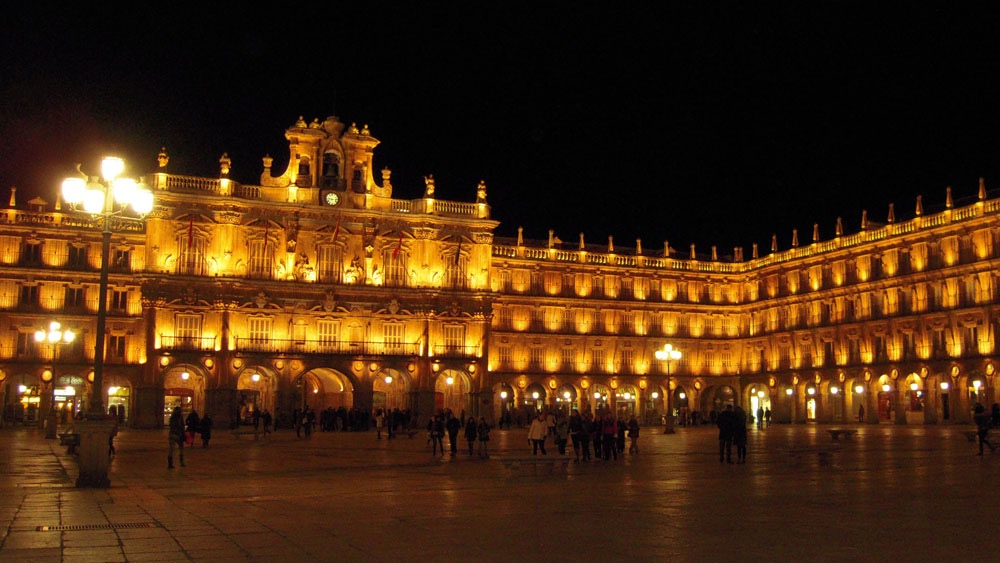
(920, 205)
(638, 247)
(552, 236)
(774, 243)
(755, 255)
(864, 219)
(715, 255)
(582, 246)
(892, 213)
(947, 198)
(162, 158)
(693, 256)
(13, 198)
(611, 244)
(300, 122)
(795, 238)
(738, 253)
(364, 130)
(840, 227)
(666, 249)
(520, 236)
(982, 188)
(225, 164)
(815, 232)
(386, 175)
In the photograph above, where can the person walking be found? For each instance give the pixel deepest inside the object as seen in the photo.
(436, 429)
(453, 425)
(767, 417)
(193, 424)
(621, 430)
(740, 435)
(982, 421)
(562, 433)
(483, 434)
(633, 435)
(760, 417)
(576, 433)
(609, 437)
(726, 421)
(175, 436)
(586, 432)
(206, 430)
(379, 423)
(471, 429)
(537, 433)
(265, 417)
(861, 413)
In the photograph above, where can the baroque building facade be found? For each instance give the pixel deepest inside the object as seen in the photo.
(316, 288)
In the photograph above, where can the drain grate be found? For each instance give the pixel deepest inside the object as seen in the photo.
(94, 527)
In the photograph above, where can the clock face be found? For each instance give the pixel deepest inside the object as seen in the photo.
(332, 198)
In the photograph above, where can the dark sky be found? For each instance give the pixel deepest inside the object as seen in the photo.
(717, 124)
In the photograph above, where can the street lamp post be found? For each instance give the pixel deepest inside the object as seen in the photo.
(105, 198)
(55, 336)
(668, 354)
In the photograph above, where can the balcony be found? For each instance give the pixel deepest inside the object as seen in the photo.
(187, 343)
(325, 347)
(454, 351)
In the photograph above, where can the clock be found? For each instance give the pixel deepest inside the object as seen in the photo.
(331, 198)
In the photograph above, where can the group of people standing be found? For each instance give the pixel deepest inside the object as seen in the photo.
(183, 431)
(732, 423)
(606, 432)
(446, 422)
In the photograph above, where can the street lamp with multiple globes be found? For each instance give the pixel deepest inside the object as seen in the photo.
(106, 198)
(55, 336)
(668, 354)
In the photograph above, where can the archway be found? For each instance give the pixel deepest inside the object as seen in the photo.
(184, 387)
(566, 398)
(600, 396)
(119, 399)
(257, 391)
(626, 398)
(451, 391)
(534, 401)
(390, 390)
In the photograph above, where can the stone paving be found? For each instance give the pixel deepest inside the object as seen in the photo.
(886, 493)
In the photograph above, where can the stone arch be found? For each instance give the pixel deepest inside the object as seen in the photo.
(184, 387)
(390, 390)
(322, 388)
(257, 391)
(451, 391)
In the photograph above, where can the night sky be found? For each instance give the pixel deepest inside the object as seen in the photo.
(696, 122)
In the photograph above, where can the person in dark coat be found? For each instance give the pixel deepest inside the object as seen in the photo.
(175, 436)
(193, 426)
(740, 435)
(982, 420)
(470, 434)
(453, 425)
(206, 430)
(726, 421)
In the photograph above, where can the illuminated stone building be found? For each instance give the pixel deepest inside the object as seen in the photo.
(317, 288)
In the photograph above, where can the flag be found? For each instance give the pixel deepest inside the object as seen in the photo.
(267, 224)
(336, 230)
(458, 251)
(398, 245)
(191, 232)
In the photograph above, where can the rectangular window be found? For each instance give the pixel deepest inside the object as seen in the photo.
(392, 334)
(191, 255)
(32, 254)
(122, 260)
(74, 297)
(116, 346)
(330, 264)
(25, 344)
(326, 331)
(599, 363)
(119, 301)
(628, 361)
(537, 357)
(506, 318)
(189, 330)
(454, 337)
(258, 263)
(394, 267)
(457, 272)
(568, 358)
(259, 329)
(505, 357)
(77, 257)
(29, 295)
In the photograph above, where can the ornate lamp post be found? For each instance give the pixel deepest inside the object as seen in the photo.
(54, 336)
(106, 198)
(668, 354)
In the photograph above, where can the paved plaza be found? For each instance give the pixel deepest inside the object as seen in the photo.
(917, 493)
